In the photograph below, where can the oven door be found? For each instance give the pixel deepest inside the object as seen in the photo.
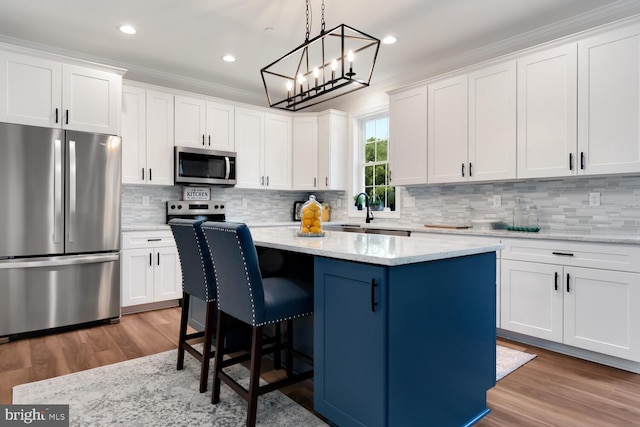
(205, 167)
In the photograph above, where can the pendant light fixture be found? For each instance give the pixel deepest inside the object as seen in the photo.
(332, 64)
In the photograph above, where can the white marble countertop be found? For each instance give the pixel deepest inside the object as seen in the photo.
(368, 248)
(145, 227)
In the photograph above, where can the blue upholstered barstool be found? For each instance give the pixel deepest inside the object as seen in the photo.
(197, 281)
(245, 295)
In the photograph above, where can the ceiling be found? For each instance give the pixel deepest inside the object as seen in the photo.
(180, 43)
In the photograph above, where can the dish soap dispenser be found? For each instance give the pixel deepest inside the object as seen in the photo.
(311, 218)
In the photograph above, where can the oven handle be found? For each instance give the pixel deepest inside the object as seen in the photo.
(228, 167)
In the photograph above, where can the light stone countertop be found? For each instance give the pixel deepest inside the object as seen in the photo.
(367, 248)
(145, 227)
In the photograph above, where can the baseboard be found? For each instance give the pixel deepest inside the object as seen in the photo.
(150, 306)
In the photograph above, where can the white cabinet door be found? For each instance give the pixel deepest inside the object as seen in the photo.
(220, 126)
(137, 277)
(190, 122)
(332, 151)
(30, 90)
(609, 102)
(277, 152)
(305, 153)
(547, 113)
(249, 133)
(492, 123)
(91, 100)
(531, 299)
(408, 136)
(167, 275)
(601, 311)
(134, 149)
(447, 131)
(159, 131)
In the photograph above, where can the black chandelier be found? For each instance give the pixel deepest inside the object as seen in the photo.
(332, 64)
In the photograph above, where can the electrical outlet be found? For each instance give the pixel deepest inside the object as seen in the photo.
(409, 202)
(497, 200)
(244, 202)
(145, 200)
(594, 199)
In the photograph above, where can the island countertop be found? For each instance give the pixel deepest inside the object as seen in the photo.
(368, 248)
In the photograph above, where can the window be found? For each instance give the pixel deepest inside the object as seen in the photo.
(375, 167)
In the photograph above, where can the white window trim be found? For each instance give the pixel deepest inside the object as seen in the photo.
(356, 157)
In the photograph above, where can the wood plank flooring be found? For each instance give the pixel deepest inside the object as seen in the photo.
(551, 390)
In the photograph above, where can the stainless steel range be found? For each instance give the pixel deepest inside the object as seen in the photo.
(206, 210)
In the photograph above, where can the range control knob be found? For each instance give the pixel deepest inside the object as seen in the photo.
(173, 206)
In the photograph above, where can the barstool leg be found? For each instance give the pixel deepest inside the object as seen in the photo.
(254, 379)
(206, 350)
(277, 358)
(289, 349)
(217, 363)
(184, 317)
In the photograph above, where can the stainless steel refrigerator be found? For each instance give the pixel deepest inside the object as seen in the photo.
(59, 228)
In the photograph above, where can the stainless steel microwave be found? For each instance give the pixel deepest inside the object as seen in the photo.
(197, 166)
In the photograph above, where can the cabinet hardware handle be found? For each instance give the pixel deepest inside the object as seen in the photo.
(143, 174)
(150, 259)
(326, 181)
(568, 288)
(389, 175)
(582, 160)
(556, 280)
(56, 115)
(209, 140)
(203, 139)
(158, 258)
(463, 170)
(67, 115)
(262, 180)
(470, 170)
(154, 240)
(150, 174)
(267, 180)
(562, 253)
(570, 161)
(314, 182)
(373, 301)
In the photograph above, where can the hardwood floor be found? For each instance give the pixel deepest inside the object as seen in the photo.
(551, 390)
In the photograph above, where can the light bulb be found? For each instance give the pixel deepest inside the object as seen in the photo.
(301, 78)
(350, 56)
(289, 85)
(316, 72)
(334, 65)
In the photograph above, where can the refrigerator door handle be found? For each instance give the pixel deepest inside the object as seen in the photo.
(72, 191)
(58, 261)
(58, 218)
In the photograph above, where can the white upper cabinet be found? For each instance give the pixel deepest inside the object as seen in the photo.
(42, 92)
(332, 151)
(276, 166)
(492, 123)
(249, 134)
(305, 153)
(408, 136)
(547, 113)
(200, 123)
(147, 136)
(447, 131)
(609, 102)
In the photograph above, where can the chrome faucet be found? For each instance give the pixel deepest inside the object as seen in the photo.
(369, 216)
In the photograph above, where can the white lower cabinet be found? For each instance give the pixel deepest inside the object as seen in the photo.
(568, 299)
(150, 268)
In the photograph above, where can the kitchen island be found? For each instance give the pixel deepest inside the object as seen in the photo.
(404, 329)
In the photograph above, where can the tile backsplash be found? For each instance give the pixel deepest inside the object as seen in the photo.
(563, 204)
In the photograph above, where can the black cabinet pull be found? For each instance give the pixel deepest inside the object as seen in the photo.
(203, 139)
(67, 117)
(150, 174)
(143, 174)
(570, 161)
(568, 287)
(262, 180)
(470, 166)
(56, 115)
(556, 278)
(158, 258)
(267, 180)
(150, 259)
(209, 140)
(154, 240)
(326, 180)
(314, 182)
(562, 253)
(582, 160)
(463, 170)
(373, 299)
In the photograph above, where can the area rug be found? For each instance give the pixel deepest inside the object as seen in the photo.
(149, 391)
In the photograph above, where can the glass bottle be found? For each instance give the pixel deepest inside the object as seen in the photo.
(533, 216)
(311, 217)
(519, 218)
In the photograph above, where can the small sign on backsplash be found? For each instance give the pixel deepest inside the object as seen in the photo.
(196, 193)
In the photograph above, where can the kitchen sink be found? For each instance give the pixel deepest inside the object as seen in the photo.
(355, 228)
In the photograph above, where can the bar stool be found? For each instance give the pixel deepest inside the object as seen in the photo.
(245, 295)
(197, 281)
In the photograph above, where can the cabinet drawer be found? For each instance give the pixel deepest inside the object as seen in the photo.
(592, 255)
(147, 239)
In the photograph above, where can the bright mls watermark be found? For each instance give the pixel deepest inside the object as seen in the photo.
(34, 415)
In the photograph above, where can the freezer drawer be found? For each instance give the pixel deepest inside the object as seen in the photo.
(43, 293)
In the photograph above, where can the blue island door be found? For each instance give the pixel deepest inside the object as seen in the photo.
(350, 342)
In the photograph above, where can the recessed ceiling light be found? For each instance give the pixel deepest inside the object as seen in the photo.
(389, 40)
(127, 29)
(229, 58)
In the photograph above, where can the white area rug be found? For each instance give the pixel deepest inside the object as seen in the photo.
(149, 391)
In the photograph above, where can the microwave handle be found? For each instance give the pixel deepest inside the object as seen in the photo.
(228, 168)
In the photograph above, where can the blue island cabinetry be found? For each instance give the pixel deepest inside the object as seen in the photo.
(405, 345)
